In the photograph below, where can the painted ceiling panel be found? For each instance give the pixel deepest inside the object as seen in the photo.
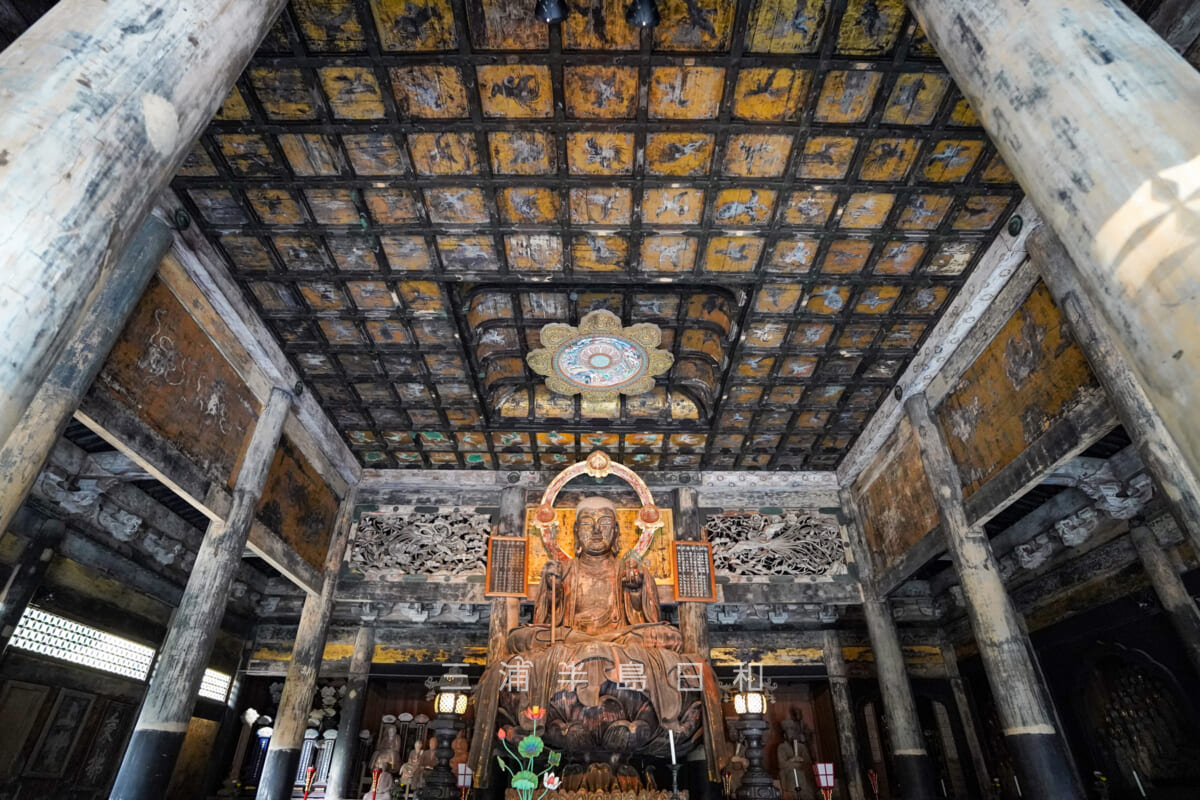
(793, 190)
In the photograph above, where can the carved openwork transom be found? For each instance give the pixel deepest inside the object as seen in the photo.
(409, 543)
(793, 543)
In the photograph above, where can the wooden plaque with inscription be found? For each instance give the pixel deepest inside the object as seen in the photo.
(695, 578)
(506, 567)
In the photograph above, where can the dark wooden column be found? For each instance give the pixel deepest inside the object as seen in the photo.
(967, 717)
(843, 710)
(693, 617)
(24, 454)
(505, 612)
(1157, 447)
(340, 785)
(913, 768)
(163, 719)
(1022, 702)
(283, 753)
(1163, 568)
(41, 537)
(102, 102)
(1097, 116)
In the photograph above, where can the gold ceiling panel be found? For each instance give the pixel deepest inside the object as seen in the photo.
(408, 190)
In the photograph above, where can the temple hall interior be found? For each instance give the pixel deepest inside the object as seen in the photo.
(600, 399)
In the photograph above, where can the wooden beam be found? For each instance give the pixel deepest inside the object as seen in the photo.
(1022, 703)
(201, 281)
(108, 418)
(990, 323)
(970, 309)
(844, 716)
(1120, 197)
(162, 721)
(102, 102)
(50, 410)
(1158, 447)
(295, 703)
(1177, 21)
(1076, 431)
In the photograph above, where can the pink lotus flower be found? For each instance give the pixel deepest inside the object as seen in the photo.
(535, 713)
(551, 781)
(501, 735)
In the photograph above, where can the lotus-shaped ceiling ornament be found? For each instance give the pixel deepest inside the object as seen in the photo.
(600, 359)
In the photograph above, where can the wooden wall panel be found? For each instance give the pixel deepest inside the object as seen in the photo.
(1027, 379)
(895, 499)
(165, 368)
(298, 505)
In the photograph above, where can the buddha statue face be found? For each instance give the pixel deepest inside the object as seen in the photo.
(596, 529)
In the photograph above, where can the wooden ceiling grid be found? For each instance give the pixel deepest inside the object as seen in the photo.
(407, 190)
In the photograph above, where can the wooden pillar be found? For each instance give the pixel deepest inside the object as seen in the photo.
(1056, 83)
(506, 611)
(102, 102)
(843, 711)
(163, 719)
(913, 768)
(41, 538)
(341, 785)
(693, 617)
(1155, 444)
(967, 718)
(1022, 703)
(24, 454)
(283, 753)
(1163, 568)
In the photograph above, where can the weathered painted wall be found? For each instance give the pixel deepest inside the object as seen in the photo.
(166, 370)
(1028, 378)
(895, 498)
(298, 504)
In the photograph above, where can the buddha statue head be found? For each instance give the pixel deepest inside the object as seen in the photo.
(596, 530)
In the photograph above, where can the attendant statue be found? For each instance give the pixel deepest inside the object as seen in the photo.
(795, 762)
(412, 774)
(386, 757)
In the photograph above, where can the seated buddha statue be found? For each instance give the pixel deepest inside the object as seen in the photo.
(596, 596)
(599, 657)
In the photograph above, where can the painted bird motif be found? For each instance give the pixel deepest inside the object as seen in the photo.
(735, 252)
(699, 18)
(604, 155)
(605, 91)
(527, 150)
(601, 202)
(751, 209)
(523, 90)
(410, 23)
(671, 252)
(676, 204)
(950, 155)
(675, 151)
(524, 203)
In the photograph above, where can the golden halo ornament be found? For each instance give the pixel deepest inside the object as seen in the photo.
(600, 359)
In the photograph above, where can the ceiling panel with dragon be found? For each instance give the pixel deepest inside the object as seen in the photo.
(408, 190)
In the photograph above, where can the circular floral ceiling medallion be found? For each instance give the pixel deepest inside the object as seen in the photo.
(600, 359)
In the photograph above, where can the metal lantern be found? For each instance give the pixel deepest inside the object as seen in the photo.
(756, 784)
(452, 692)
(749, 703)
(449, 705)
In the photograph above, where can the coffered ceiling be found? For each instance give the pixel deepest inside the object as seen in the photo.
(408, 190)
